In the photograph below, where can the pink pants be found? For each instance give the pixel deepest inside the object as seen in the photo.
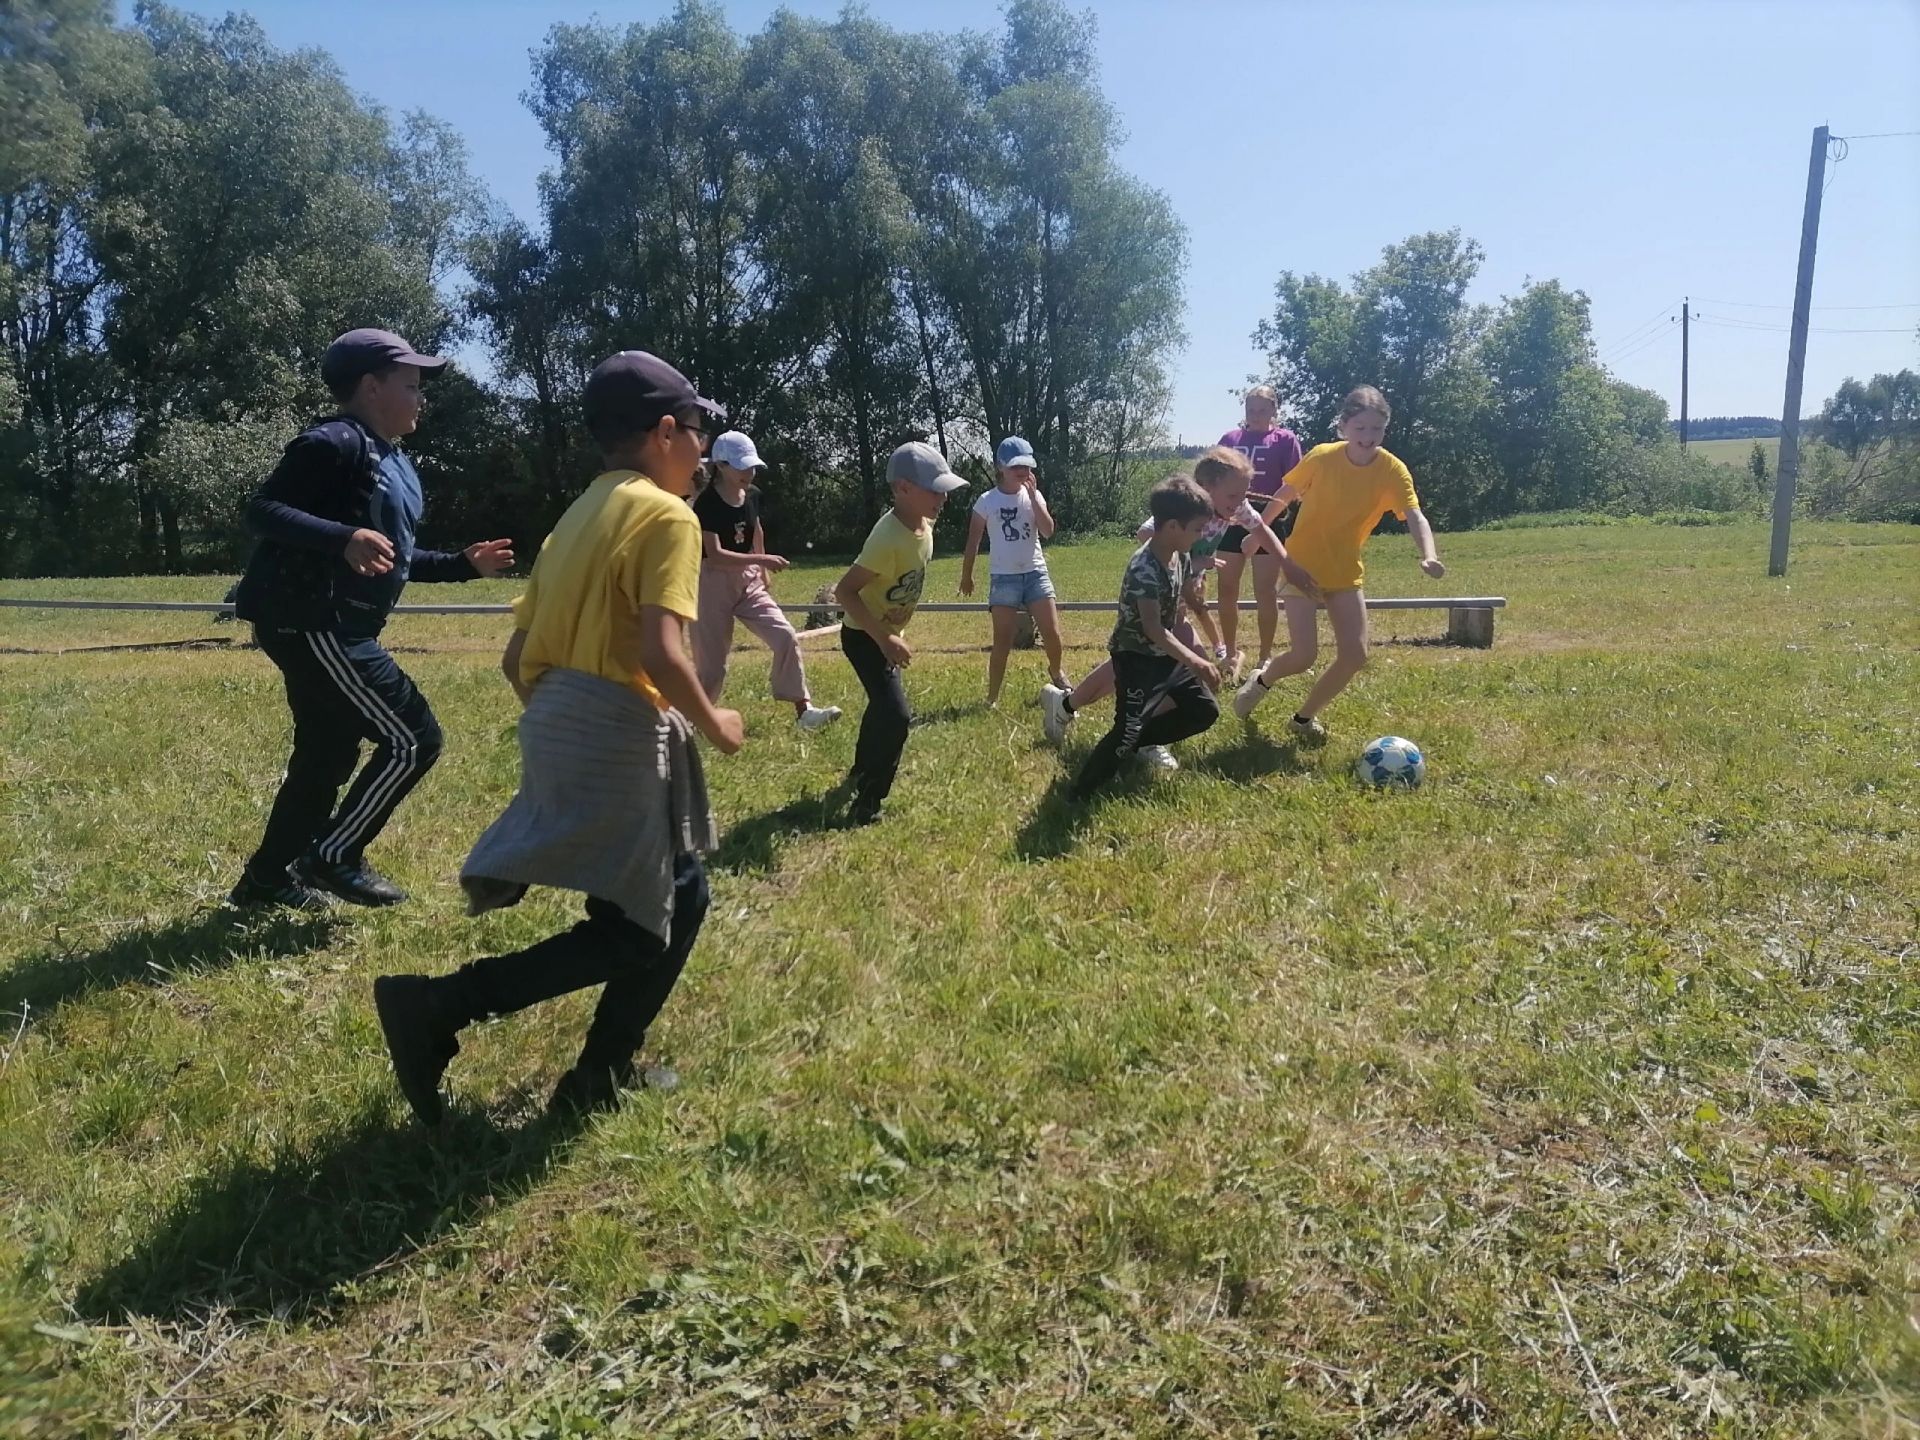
(728, 594)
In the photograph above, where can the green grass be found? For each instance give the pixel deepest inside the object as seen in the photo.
(1244, 1103)
(1737, 453)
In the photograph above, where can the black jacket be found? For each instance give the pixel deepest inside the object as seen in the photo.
(336, 477)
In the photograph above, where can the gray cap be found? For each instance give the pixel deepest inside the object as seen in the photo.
(920, 464)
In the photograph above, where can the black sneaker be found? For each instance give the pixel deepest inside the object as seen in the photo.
(419, 1040)
(587, 1088)
(285, 892)
(358, 884)
(864, 810)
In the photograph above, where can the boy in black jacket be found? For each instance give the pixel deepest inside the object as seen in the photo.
(336, 521)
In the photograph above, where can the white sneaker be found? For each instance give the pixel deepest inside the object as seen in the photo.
(1158, 757)
(817, 717)
(1053, 700)
(1248, 697)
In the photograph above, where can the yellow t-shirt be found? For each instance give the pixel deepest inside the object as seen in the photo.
(623, 544)
(898, 558)
(1340, 503)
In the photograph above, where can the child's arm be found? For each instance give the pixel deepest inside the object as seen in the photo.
(737, 560)
(847, 594)
(481, 560)
(283, 508)
(1042, 516)
(1423, 546)
(663, 653)
(976, 527)
(1202, 617)
(510, 665)
(1169, 644)
(1282, 498)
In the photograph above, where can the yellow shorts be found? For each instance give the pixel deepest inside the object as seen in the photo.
(1293, 592)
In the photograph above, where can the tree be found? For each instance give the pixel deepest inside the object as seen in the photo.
(1757, 467)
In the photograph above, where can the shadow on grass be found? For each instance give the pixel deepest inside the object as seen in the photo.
(946, 714)
(291, 1234)
(754, 844)
(157, 954)
(1059, 820)
(1253, 755)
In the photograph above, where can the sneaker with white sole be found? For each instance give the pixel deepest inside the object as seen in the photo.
(1248, 697)
(817, 717)
(1308, 731)
(1158, 757)
(1053, 701)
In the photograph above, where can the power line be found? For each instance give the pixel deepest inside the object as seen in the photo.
(1631, 335)
(1766, 305)
(1729, 323)
(1881, 135)
(1630, 352)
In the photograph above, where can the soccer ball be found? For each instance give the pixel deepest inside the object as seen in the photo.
(1391, 760)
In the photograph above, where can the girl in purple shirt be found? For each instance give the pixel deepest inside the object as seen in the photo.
(1274, 451)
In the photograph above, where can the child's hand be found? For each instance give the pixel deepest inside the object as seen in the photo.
(369, 552)
(899, 654)
(1298, 577)
(966, 584)
(490, 557)
(729, 732)
(1031, 479)
(1209, 674)
(775, 563)
(1433, 568)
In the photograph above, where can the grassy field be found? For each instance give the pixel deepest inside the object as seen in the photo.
(1737, 452)
(1576, 1094)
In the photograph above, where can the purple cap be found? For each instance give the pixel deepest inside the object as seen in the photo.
(365, 352)
(636, 386)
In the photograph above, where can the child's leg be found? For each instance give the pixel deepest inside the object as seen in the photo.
(1303, 641)
(883, 729)
(409, 740)
(1188, 709)
(634, 997)
(1095, 686)
(1347, 610)
(1266, 595)
(761, 614)
(326, 746)
(1005, 618)
(713, 628)
(1046, 619)
(1136, 678)
(1232, 565)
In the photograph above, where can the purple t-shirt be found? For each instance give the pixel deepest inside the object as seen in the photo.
(1273, 455)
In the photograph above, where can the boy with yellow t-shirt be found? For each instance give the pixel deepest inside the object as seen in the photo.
(612, 798)
(877, 596)
(1344, 489)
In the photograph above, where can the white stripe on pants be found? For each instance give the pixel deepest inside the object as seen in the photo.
(728, 594)
(405, 750)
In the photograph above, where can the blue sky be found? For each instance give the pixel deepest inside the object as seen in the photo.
(1640, 152)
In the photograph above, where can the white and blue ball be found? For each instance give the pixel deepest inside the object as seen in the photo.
(1391, 760)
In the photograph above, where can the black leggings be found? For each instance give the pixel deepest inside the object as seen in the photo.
(883, 729)
(1141, 682)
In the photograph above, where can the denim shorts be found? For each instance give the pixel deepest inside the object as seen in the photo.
(1029, 587)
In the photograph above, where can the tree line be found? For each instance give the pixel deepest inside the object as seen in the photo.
(851, 234)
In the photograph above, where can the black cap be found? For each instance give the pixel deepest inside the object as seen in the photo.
(364, 352)
(639, 388)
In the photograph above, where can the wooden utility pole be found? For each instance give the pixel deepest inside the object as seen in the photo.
(1789, 464)
(1683, 373)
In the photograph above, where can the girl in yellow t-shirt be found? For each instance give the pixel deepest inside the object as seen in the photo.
(1343, 489)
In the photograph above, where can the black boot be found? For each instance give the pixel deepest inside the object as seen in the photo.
(422, 1039)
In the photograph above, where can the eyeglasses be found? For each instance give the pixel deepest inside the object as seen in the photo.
(698, 429)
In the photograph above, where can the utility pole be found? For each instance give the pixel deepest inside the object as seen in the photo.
(1683, 372)
(1789, 465)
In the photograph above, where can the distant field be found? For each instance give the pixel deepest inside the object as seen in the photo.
(1736, 452)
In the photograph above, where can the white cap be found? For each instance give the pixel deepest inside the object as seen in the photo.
(735, 449)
